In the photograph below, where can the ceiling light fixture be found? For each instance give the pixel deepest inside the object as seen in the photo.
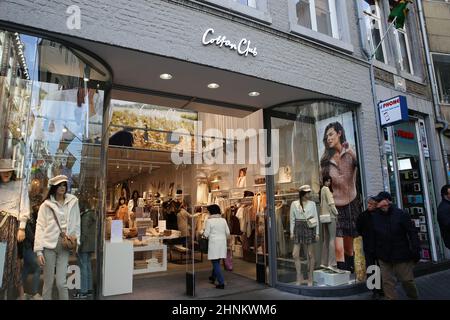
(254, 94)
(166, 76)
(64, 130)
(213, 86)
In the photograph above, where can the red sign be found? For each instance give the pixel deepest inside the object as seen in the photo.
(404, 134)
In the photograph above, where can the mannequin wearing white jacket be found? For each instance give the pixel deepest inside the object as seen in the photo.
(47, 243)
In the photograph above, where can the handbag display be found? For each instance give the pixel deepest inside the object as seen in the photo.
(311, 222)
(203, 244)
(68, 242)
(325, 218)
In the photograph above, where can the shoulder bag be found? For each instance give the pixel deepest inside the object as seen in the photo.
(68, 242)
(203, 244)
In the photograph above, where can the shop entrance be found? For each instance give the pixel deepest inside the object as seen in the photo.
(414, 181)
(162, 201)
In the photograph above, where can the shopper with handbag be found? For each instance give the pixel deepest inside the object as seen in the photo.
(328, 216)
(57, 233)
(217, 232)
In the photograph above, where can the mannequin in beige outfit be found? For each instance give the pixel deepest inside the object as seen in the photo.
(328, 216)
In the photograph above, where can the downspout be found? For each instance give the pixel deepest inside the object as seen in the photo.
(370, 58)
(437, 110)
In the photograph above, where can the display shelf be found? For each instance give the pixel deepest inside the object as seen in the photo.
(162, 266)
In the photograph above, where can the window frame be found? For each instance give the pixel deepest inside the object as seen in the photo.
(438, 87)
(369, 35)
(261, 12)
(339, 24)
(404, 32)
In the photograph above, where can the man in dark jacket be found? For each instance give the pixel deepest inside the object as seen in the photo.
(396, 246)
(364, 225)
(443, 215)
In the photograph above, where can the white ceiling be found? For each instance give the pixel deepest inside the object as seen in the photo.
(133, 69)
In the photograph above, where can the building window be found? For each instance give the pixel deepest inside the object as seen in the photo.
(404, 58)
(374, 27)
(441, 63)
(250, 3)
(253, 8)
(318, 15)
(322, 20)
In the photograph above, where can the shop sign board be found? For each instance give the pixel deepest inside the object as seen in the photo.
(243, 47)
(393, 111)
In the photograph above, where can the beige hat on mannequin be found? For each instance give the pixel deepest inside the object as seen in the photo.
(305, 188)
(6, 165)
(57, 180)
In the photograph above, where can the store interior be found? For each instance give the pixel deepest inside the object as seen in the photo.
(173, 196)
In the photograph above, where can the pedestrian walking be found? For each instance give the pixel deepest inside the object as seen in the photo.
(364, 224)
(396, 246)
(217, 232)
(443, 215)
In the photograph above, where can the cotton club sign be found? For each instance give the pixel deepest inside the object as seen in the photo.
(243, 47)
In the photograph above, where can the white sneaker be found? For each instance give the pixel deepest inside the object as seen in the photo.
(37, 296)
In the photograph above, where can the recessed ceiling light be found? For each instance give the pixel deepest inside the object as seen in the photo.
(254, 94)
(86, 79)
(64, 130)
(165, 76)
(213, 86)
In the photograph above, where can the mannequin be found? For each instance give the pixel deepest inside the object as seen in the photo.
(242, 179)
(304, 230)
(14, 214)
(122, 212)
(132, 204)
(328, 216)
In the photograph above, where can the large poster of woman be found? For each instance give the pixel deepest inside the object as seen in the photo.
(338, 160)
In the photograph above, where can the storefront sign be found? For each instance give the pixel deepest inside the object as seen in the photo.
(393, 111)
(243, 47)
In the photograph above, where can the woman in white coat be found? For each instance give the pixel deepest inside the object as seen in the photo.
(217, 232)
(47, 243)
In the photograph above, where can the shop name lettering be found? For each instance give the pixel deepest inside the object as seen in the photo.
(390, 103)
(404, 134)
(243, 47)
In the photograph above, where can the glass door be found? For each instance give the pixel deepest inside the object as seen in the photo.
(414, 196)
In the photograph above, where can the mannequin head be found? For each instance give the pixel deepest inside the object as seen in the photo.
(7, 176)
(305, 195)
(57, 191)
(242, 172)
(122, 201)
(328, 182)
(6, 170)
(135, 195)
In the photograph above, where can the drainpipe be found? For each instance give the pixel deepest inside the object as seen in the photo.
(437, 110)
(371, 58)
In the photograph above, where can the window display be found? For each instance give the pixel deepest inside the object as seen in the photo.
(331, 174)
(51, 106)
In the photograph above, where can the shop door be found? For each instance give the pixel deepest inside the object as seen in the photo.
(412, 182)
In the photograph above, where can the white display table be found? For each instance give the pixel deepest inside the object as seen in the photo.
(153, 264)
(118, 268)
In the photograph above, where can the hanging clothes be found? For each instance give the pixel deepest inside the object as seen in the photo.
(280, 227)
